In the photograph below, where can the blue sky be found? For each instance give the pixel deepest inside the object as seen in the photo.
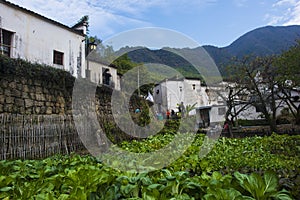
(209, 22)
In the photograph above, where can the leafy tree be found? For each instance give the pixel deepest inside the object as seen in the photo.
(288, 78)
(259, 78)
(189, 108)
(124, 64)
(235, 104)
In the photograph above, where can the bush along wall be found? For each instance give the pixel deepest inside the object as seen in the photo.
(27, 88)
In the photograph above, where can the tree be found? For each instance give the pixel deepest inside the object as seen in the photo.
(235, 104)
(258, 77)
(124, 64)
(288, 79)
(189, 108)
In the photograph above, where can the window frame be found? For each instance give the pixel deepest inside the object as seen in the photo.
(7, 37)
(58, 57)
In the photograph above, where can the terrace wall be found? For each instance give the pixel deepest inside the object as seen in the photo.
(36, 111)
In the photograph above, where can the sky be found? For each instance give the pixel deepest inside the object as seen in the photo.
(208, 22)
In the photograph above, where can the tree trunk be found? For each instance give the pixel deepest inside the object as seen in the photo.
(297, 117)
(272, 123)
(273, 127)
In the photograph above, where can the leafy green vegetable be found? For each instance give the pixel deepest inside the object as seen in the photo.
(248, 168)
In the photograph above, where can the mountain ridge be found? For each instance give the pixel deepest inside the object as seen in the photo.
(263, 41)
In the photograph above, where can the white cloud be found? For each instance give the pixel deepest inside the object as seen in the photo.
(104, 15)
(295, 15)
(284, 2)
(286, 12)
(240, 3)
(107, 17)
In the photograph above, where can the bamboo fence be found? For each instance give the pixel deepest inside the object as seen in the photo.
(37, 136)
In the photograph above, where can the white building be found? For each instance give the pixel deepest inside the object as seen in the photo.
(252, 113)
(215, 109)
(170, 93)
(30, 36)
(103, 74)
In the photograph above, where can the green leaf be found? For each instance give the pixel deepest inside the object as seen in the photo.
(282, 195)
(5, 189)
(63, 197)
(154, 186)
(223, 194)
(271, 182)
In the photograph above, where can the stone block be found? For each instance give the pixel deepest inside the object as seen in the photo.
(60, 100)
(26, 88)
(43, 110)
(37, 110)
(9, 100)
(37, 83)
(38, 90)
(4, 83)
(29, 103)
(19, 102)
(16, 93)
(49, 111)
(7, 92)
(2, 99)
(25, 95)
(19, 86)
(32, 95)
(45, 91)
(22, 110)
(12, 85)
(28, 111)
(8, 108)
(40, 97)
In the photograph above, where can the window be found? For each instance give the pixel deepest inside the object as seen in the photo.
(5, 42)
(58, 57)
(220, 100)
(222, 111)
(95, 77)
(106, 76)
(194, 86)
(259, 108)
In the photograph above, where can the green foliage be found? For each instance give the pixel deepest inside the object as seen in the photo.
(234, 169)
(257, 122)
(289, 65)
(262, 188)
(189, 108)
(124, 64)
(45, 74)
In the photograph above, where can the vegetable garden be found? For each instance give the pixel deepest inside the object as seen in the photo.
(248, 168)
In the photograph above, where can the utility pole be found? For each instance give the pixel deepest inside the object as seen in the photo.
(1, 36)
(138, 81)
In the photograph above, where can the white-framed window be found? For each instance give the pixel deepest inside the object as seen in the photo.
(5, 42)
(58, 57)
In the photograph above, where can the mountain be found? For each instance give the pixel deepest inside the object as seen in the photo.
(269, 40)
(265, 41)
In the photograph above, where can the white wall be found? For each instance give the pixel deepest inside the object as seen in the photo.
(250, 112)
(35, 39)
(216, 115)
(173, 92)
(96, 70)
